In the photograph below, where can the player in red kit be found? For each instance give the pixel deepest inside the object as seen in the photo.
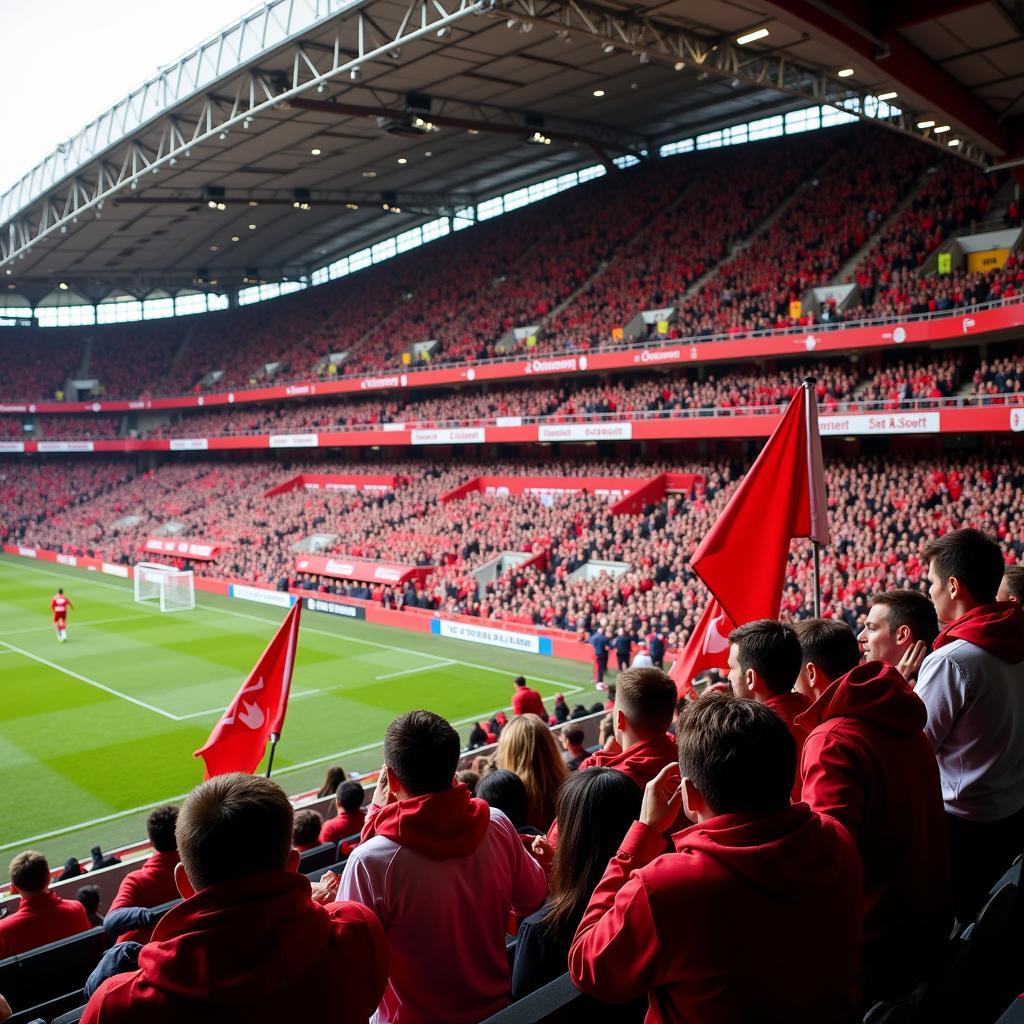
(60, 605)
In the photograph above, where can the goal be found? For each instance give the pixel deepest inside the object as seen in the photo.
(174, 589)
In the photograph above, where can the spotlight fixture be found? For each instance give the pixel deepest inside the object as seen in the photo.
(942, 129)
(607, 47)
(301, 199)
(539, 139)
(472, 131)
(252, 227)
(679, 65)
(513, 22)
(247, 123)
(315, 152)
(63, 286)
(300, 205)
(444, 32)
(355, 74)
(223, 135)
(845, 72)
(396, 53)
(953, 142)
(402, 160)
(752, 37)
(643, 58)
(321, 88)
(253, 202)
(351, 206)
(598, 93)
(135, 184)
(423, 124)
(925, 124)
(888, 95)
(173, 161)
(369, 174)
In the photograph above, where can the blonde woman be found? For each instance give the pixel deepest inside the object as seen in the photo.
(527, 747)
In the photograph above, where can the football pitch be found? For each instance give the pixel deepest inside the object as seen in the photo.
(96, 731)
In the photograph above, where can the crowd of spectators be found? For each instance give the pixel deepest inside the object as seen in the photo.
(881, 511)
(77, 428)
(999, 377)
(581, 265)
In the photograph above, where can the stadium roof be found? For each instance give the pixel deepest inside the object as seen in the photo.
(278, 145)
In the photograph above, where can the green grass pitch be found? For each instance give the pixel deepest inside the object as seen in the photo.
(96, 731)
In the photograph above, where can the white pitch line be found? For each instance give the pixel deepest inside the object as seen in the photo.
(561, 684)
(413, 671)
(90, 682)
(76, 623)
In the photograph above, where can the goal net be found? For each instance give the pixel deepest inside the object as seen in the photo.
(174, 589)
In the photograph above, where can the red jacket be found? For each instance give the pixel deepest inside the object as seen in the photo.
(751, 919)
(528, 702)
(641, 762)
(148, 886)
(868, 763)
(253, 949)
(341, 826)
(787, 706)
(41, 917)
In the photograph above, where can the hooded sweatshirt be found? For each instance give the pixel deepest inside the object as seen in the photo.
(752, 918)
(41, 917)
(442, 872)
(788, 706)
(973, 687)
(149, 886)
(252, 949)
(641, 762)
(867, 762)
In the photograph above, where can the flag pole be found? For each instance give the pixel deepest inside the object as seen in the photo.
(808, 384)
(274, 737)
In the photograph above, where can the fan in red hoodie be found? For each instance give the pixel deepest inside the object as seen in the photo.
(973, 687)
(645, 701)
(442, 872)
(755, 915)
(350, 816)
(247, 943)
(867, 763)
(764, 663)
(153, 883)
(526, 701)
(42, 916)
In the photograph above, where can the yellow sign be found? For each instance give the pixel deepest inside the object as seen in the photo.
(796, 309)
(618, 333)
(982, 261)
(407, 358)
(945, 263)
(663, 327)
(531, 341)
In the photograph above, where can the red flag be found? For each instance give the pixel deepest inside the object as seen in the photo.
(708, 647)
(743, 557)
(240, 737)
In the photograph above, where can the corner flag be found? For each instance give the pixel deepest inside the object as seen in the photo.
(257, 713)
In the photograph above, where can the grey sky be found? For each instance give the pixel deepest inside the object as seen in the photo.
(65, 62)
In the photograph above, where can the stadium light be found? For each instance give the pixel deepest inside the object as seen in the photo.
(315, 152)
(925, 124)
(942, 129)
(63, 286)
(888, 95)
(845, 72)
(598, 93)
(355, 74)
(608, 48)
(402, 160)
(679, 65)
(752, 37)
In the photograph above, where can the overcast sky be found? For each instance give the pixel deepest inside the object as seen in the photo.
(66, 62)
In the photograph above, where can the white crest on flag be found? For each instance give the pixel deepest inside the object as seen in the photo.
(247, 716)
(714, 642)
(252, 716)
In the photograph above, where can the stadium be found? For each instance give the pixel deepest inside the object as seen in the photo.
(631, 394)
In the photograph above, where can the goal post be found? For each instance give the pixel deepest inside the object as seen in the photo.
(174, 589)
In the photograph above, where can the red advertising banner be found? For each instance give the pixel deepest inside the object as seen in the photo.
(341, 567)
(337, 482)
(182, 547)
(913, 331)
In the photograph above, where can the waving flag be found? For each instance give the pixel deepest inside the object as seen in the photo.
(240, 737)
(742, 559)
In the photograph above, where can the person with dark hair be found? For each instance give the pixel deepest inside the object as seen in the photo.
(973, 687)
(595, 810)
(764, 663)
(72, 869)
(42, 916)
(507, 792)
(601, 644)
(622, 645)
(575, 753)
(578, 711)
(897, 622)
(246, 943)
(332, 780)
(754, 872)
(867, 763)
(103, 860)
(1011, 586)
(152, 883)
(526, 701)
(306, 830)
(349, 814)
(478, 737)
(443, 872)
(89, 897)
(561, 709)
